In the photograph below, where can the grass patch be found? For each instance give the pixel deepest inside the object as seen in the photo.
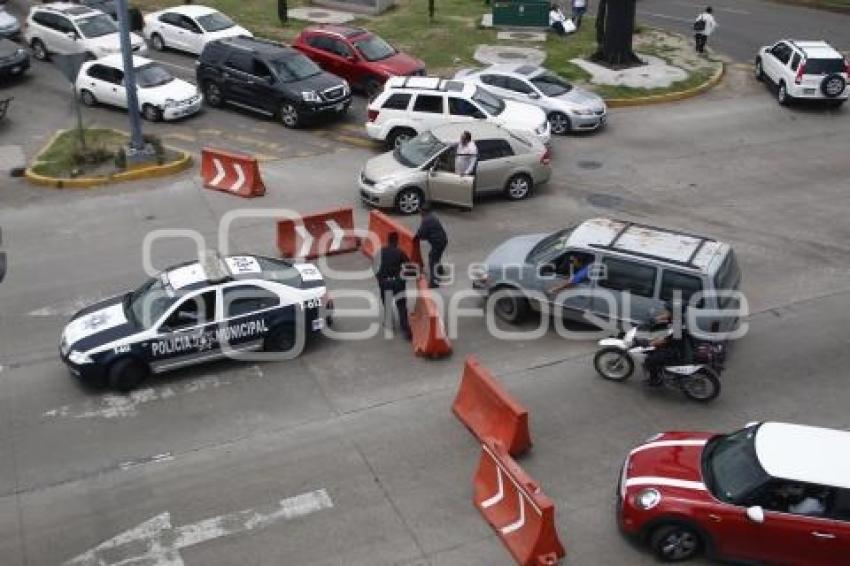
(66, 158)
(695, 79)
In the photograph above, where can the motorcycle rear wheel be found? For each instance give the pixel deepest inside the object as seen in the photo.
(613, 363)
(703, 386)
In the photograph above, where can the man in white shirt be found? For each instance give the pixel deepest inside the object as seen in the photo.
(466, 156)
(704, 26)
(557, 19)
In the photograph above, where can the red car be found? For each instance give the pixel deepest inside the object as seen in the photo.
(357, 55)
(769, 493)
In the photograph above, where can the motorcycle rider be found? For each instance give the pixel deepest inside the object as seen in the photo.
(672, 347)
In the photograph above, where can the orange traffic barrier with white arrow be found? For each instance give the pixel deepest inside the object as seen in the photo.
(233, 173)
(318, 234)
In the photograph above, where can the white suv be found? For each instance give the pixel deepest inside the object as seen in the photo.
(65, 28)
(409, 106)
(804, 69)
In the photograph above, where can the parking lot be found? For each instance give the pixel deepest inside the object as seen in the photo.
(366, 423)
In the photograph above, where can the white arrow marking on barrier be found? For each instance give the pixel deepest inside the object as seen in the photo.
(338, 234)
(219, 172)
(156, 543)
(518, 524)
(240, 178)
(306, 240)
(499, 494)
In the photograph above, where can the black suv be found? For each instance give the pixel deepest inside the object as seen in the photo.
(269, 78)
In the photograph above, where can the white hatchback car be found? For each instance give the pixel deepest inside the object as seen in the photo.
(811, 70)
(189, 28)
(161, 96)
(65, 28)
(409, 106)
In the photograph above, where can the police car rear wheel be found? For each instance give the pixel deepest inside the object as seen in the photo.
(280, 340)
(126, 374)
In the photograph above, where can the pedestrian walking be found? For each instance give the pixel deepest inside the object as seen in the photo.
(579, 8)
(466, 156)
(704, 26)
(391, 284)
(557, 19)
(431, 230)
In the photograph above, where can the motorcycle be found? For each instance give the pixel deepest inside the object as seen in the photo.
(699, 381)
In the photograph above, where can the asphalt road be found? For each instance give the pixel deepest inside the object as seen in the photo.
(362, 431)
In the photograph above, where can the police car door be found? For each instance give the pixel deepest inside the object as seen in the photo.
(250, 313)
(187, 333)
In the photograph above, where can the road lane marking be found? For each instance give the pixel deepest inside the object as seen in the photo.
(156, 459)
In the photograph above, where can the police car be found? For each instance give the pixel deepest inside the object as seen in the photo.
(193, 313)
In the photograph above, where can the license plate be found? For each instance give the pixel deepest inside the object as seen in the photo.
(808, 91)
(318, 324)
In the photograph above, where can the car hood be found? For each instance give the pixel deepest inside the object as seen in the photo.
(112, 41)
(7, 20)
(399, 64)
(176, 89)
(320, 82)
(513, 251)
(97, 325)
(583, 98)
(520, 116)
(671, 460)
(384, 167)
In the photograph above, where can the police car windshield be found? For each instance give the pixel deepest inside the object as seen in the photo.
(148, 303)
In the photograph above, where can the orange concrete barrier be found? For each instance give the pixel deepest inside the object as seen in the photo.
(231, 172)
(429, 334)
(380, 225)
(318, 234)
(488, 411)
(512, 502)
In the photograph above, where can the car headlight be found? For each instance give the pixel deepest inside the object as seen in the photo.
(171, 103)
(310, 96)
(345, 85)
(647, 498)
(19, 52)
(79, 358)
(583, 111)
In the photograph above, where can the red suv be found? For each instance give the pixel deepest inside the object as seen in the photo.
(771, 492)
(357, 55)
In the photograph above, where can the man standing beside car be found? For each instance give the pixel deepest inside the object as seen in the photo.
(466, 156)
(431, 230)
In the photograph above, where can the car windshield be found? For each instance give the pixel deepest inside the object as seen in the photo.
(152, 75)
(295, 68)
(215, 22)
(550, 244)
(373, 48)
(731, 467)
(551, 84)
(419, 150)
(824, 66)
(492, 104)
(96, 26)
(149, 302)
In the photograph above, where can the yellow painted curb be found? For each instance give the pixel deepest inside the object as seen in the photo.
(669, 96)
(181, 164)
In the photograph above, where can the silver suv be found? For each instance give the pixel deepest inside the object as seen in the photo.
(804, 70)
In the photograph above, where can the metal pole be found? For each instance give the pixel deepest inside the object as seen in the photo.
(137, 143)
(79, 116)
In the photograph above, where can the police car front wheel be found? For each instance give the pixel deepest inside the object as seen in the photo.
(126, 374)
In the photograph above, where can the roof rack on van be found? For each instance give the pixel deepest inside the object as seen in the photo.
(627, 225)
(405, 83)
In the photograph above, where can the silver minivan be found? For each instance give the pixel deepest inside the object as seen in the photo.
(634, 269)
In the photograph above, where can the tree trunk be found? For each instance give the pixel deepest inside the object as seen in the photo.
(615, 26)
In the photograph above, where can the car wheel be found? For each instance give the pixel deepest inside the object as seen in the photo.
(126, 374)
(560, 123)
(399, 136)
(510, 305)
(409, 201)
(519, 186)
(88, 98)
(279, 340)
(675, 543)
(759, 71)
(151, 113)
(289, 115)
(39, 51)
(157, 42)
(782, 95)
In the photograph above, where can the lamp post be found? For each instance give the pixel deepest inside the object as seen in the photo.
(137, 150)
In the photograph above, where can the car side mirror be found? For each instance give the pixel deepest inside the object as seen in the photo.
(755, 514)
(547, 270)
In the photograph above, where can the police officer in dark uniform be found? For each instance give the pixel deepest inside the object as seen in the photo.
(391, 262)
(432, 231)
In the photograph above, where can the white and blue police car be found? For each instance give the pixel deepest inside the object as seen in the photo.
(193, 313)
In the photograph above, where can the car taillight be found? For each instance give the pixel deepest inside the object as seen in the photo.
(800, 71)
(546, 158)
(372, 115)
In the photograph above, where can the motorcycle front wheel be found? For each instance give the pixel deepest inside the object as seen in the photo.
(702, 386)
(613, 363)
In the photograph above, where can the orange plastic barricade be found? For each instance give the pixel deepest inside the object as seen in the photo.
(512, 502)
(318, 234)
(429, 335)
(380, 225)
(488, 411)
(231, 172)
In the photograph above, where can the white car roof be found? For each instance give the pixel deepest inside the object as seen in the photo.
(816, 49)
(803, 453)
(431, 83)
(116, 60)
(192, 10)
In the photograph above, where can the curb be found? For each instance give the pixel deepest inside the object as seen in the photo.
(181, 164)
(669, 96)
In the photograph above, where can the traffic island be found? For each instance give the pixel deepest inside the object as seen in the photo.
(98, 157)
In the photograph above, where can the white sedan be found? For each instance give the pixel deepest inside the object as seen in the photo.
(161, 96)
(189, 28)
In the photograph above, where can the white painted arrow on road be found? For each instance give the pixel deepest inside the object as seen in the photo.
(240, 178)
(219, 172)
(156, 543)
(307, 238)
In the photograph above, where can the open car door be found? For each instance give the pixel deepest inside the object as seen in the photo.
(450, 188)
